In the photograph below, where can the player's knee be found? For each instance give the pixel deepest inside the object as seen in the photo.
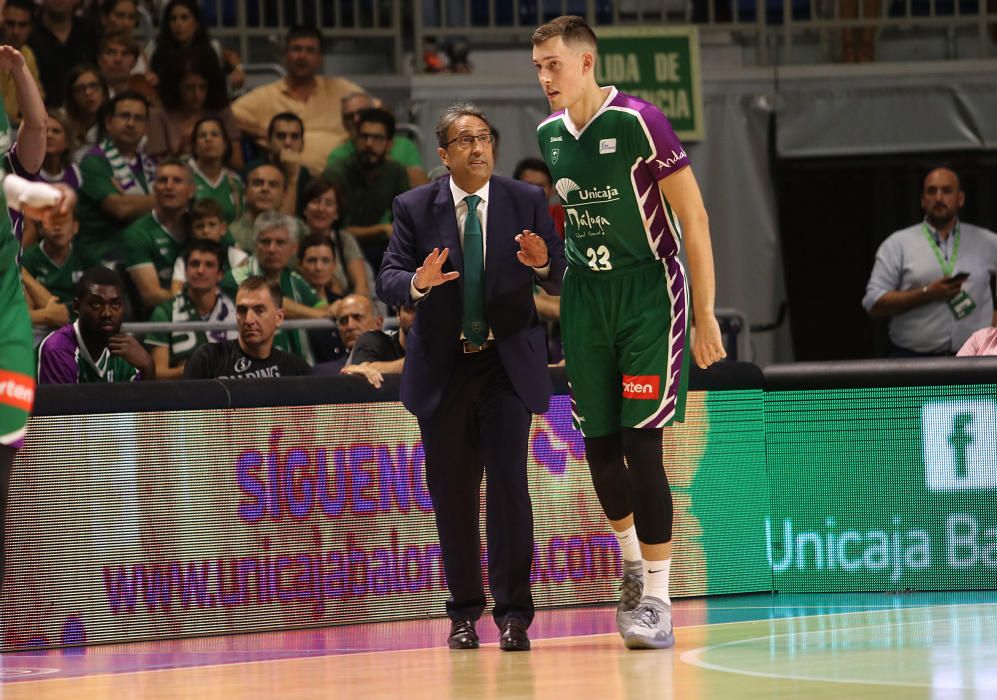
(604, 455)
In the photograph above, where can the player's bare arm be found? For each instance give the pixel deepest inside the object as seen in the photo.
(682, 192)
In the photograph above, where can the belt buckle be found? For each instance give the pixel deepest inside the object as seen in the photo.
(469, 348)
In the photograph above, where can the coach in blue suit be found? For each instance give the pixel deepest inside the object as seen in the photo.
(464, 249)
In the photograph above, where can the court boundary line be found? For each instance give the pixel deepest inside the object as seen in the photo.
(691, 657)
(488, 644)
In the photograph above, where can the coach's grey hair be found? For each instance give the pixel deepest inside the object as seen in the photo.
(269, 220)
(452, 114)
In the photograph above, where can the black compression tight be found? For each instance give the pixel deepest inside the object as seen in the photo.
(6, 466)
(629, 477)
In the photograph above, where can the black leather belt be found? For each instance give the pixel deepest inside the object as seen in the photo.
(469, 348)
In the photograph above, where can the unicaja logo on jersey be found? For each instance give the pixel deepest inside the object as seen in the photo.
(641, 386)
(596, 195)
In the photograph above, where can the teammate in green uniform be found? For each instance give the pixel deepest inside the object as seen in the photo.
(48, 204)
(629, 194)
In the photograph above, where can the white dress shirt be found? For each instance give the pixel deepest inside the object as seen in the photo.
(460, 207)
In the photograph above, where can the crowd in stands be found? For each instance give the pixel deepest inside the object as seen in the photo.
(194, 192)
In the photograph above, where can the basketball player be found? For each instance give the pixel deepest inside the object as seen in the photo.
(628, 192)
(46, 203)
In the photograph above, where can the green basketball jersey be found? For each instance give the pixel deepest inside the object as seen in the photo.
(607, 175)
(228, 190)
(146, 242)
(63, 358)
(182, 343)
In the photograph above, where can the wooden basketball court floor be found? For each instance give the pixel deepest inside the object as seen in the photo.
(914, 645)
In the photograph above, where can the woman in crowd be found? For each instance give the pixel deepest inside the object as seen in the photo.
(320, 210)
(317, 264)
(191, 88)
(211, 157)
(58, 165)
(181, 28)
(86, 93)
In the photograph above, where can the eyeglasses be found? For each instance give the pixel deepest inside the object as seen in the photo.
(466, 142)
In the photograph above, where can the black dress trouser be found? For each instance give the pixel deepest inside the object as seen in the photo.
(481, 425)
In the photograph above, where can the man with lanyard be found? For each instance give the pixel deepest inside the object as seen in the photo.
(39, 201)
(932, 279)
(117, 180)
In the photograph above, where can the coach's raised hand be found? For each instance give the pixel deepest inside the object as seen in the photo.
(532, 249)
(431, 273)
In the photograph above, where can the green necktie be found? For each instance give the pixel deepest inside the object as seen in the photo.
(475, 323)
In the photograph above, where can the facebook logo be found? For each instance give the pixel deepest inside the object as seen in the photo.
(960, 445)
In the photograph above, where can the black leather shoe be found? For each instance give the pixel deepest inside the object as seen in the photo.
(514, 637)
(462, 635)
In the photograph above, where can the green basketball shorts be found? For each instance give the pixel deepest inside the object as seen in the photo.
(17, 382)
(624, 336)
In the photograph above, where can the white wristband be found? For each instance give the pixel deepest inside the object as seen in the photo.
(20, 192)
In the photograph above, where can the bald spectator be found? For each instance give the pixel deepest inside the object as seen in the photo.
(60, 41)
(355, 315)
(403, 150)
(932, 279)
(304, 91)
(17, 16)
(376, 352)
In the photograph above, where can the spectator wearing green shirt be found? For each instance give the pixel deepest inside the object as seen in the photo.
(403, 150)
(200, 300)
(54, 264)
(266, 187)
(369, 182)
(117, 180)
(155, 241)
(210, 162)
(275, 247)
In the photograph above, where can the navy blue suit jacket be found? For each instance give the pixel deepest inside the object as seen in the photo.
(424, 218)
